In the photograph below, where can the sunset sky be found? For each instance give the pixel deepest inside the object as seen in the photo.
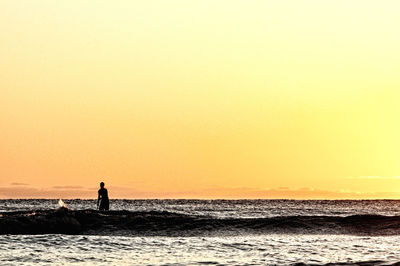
(200, 99)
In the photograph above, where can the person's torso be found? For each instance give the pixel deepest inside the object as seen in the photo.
(103, 192)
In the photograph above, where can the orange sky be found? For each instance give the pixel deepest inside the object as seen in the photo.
(186, 99)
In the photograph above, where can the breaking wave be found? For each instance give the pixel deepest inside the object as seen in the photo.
(154, 223)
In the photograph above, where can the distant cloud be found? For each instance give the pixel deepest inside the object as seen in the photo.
(68, 187)
(70, 192)
(19, 184)
(306, 189)
(14, 192)
(301, 193)
(283, 188)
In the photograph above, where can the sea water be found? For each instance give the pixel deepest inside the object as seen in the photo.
(241, 249)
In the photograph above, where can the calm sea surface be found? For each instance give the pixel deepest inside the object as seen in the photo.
(243, 249)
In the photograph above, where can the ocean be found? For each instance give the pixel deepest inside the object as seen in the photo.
(200, 232)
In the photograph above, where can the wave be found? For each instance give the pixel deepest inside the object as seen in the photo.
(359, 263)
(153, 223)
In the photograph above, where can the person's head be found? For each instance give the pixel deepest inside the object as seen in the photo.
(102, 184)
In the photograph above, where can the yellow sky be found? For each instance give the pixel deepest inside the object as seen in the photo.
(200, 98)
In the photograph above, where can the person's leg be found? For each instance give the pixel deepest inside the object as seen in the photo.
(101, 208)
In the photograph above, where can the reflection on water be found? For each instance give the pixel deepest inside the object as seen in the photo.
(268, 249)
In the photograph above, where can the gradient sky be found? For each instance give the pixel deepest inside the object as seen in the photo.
(206, 99)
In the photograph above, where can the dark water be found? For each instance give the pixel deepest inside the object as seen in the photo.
(302, 232)
(225, 208)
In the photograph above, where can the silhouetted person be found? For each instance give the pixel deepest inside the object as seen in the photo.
(103, 198)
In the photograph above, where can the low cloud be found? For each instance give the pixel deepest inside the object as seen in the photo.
(286, 193)
(14, 192)
(67, 187)
(19, 184)
(70, 192)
